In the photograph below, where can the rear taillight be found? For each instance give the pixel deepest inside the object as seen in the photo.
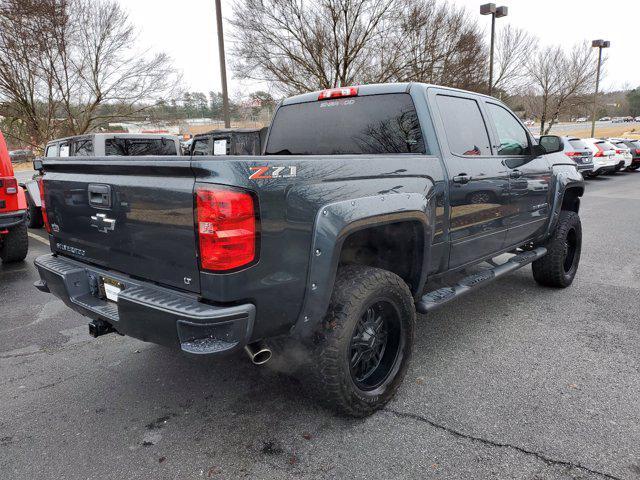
(227, 227)
(43, 207)
(618, 151)
(338, 93)
(599, 154)
(10, 186)
(573, 154)
(637, 151)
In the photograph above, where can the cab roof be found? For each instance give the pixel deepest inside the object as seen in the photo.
(378, 89)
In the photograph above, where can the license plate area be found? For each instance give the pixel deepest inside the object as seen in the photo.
(110, 289)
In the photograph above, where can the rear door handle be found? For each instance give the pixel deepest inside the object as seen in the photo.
(462, 178)
(515, 174)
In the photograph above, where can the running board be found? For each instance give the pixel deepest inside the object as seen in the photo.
(440, 297)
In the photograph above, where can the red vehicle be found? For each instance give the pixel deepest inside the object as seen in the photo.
(14, 241)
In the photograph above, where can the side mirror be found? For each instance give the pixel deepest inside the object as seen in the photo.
(551, 143)
(37, 164)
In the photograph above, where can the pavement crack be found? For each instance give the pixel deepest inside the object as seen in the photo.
(541, 456)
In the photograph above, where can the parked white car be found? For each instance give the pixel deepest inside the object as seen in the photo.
(605, 159)
(623, 150)
(581, 119)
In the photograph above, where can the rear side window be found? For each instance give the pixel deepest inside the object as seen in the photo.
(577, 143)
(139, 146)
(606, 146)
(52, 151)
(64, 149)
(355, 125)
(200, 146)
(464, 126)
(511, 134)
(83, 148)
(221, 146)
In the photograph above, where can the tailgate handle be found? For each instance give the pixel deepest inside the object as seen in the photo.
(99, 195)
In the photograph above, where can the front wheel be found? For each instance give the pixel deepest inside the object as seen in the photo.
(366, 340)
(559, 266)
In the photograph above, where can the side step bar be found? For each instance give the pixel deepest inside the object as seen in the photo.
(440, 297)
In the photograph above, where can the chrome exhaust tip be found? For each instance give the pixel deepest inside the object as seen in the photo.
(258, 352)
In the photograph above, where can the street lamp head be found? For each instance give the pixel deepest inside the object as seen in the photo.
(488, 9)
(600, 43)
(502, 12)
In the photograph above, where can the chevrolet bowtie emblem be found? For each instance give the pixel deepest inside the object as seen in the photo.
(102, 223)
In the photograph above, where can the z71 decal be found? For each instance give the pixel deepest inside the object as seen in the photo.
(263, 173)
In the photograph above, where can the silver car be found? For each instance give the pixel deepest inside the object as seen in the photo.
(578, 151)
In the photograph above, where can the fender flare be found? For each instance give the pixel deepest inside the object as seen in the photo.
(334, 223)
(563, 183)
(33, 192)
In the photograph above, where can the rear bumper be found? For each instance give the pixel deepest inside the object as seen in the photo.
(12, 219)
(146, 311)
(604, 169)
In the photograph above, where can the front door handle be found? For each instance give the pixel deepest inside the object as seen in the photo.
(462, 178)
(515, 174)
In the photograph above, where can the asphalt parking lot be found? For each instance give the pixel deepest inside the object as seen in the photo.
(513, 381)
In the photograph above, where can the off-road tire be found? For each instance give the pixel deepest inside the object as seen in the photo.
(15, 244)
(34, 215)
(563, 248)
(355, 290)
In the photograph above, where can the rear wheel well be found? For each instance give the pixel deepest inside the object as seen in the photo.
(396, 247)
(571, 199)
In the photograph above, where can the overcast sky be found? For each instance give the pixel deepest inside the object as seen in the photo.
(187, 31)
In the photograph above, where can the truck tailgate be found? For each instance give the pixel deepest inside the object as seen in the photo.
(133, 215)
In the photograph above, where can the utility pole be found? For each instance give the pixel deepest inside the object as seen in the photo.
(600, 44)
(490, 9)
(223, 67)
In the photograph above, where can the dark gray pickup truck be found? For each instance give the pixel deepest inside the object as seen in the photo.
(366, 201)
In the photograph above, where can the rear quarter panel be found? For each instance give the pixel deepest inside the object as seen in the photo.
(288, 210)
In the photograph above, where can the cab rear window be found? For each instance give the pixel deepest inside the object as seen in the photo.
(139, 146)
(577, 143)
(355, 125)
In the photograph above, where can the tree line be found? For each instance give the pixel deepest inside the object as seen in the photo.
(72, 66)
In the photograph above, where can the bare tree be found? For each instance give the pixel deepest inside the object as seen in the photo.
(69, 66)
(439, 43)
(27, 96)
(300, 46)
(513, 52)
(559, 81)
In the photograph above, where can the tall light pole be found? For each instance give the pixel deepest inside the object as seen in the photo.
(490, 9)
(599, 44)
(223, 67)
